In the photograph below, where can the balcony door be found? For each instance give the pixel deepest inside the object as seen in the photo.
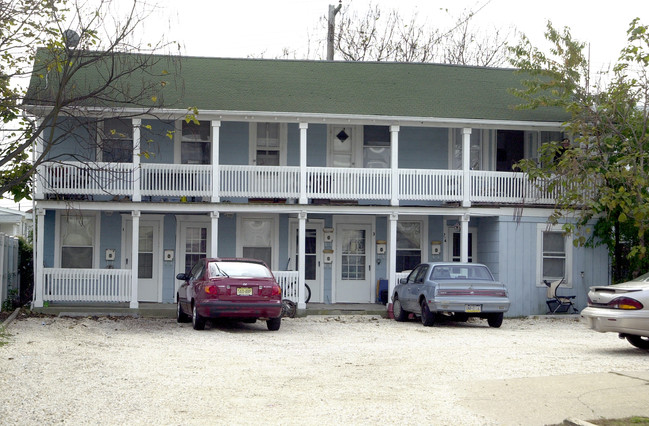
(149, 257)
(344, 144)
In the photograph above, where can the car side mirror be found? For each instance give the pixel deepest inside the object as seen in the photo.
(403, 281)
(182, 277)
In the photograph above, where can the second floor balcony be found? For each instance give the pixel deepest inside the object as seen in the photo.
(215, 183)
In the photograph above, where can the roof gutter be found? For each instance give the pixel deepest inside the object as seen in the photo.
(324, 118)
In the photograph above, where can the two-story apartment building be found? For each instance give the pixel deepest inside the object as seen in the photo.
(337, 174)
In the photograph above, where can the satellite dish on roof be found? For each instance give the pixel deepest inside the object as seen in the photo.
(71, 39)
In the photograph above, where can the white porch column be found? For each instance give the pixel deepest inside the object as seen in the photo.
(137, 196)
(39, 279)
(38, 151)
(464, 238)
(301, 258)
(135, 251)
(394, 164)
(466, 167)
(392, 253)
(214, 236)
(303, 129)
(216, 173)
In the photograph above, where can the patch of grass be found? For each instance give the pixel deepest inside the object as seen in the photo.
(635, 420)
(4, 336)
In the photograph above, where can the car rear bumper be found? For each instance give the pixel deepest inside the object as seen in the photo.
(225, 309)
(495, 304)
(617, 320)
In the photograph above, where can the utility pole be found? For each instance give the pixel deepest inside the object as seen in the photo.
(331, 24)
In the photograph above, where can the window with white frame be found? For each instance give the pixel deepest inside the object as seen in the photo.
(195, 245)
(77, 241)
(268, 144)
(376, 147)
(475, 147)
(555, 260)
(257, 239)
(196, 143)
(408, 245)
(117, 141)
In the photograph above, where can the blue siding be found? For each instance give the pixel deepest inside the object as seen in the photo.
(48, 241)
(155, 143)
(233, 143)
(435, 233)
(73, 141)
(423, 148)
(227, 236)
(110, 237)
(316, 145)
(169, 266)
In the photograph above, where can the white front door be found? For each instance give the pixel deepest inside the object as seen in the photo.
(343, 146)
(312, 258)
(353, 263)
(149, 255)
(454, 251)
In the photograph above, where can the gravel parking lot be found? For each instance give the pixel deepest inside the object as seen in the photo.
(318, 369)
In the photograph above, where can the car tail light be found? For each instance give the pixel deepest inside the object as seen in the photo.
(211, 289)
(625, 303)
(277, 290)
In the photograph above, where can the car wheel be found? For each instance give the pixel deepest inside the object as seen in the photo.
(641, 342)
(180, 315)
(495, 320)
(274, 323)
(198, 322)
(399, 314)
(427, 317)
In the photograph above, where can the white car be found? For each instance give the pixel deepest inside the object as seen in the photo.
(621, 308)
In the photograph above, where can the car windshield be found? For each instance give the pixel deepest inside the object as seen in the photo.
(238, 269)
(464, 272)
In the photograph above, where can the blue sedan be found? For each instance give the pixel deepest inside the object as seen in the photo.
(454, 291)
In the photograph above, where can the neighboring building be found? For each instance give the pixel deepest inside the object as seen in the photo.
(15, 223)
(356, 170)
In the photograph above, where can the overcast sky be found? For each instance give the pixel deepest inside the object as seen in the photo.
(245, 28)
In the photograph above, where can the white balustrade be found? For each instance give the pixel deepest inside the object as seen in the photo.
(431, 185)
(338, 183)
(87, 285)
(288, 281)
(259, 181)
(334, 183)
(176, 180)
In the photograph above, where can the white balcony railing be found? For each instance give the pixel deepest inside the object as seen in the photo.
(87, 285)
(332, 183)
(114, 285)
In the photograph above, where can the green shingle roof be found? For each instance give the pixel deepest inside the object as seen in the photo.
(325, 87)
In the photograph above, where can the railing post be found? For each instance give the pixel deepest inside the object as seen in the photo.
(39, 279)
(216, 177)
(137, 196)
(301, 259)
(466, 167)
(464, 238)
(394, 164)
(214, 236)
(303, 129)
(392, 253)
(135, 251)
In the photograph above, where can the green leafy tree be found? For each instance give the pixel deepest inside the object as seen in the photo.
(603, 175)
(75, 57)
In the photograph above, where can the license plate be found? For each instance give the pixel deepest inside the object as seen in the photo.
(472, 308)
(244, 291)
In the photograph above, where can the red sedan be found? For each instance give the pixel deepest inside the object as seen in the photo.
(240, 289)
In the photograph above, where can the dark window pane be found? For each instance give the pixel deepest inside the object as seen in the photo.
(145, 265)
(408, 259)
(260, 253)
(76, 257)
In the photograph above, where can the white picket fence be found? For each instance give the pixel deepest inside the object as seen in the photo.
(87, 285)
(287, 280)
(9, 279)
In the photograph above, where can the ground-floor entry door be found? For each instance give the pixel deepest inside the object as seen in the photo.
(149, 258)
(312, 257)
(353, 252)
(454, 253)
